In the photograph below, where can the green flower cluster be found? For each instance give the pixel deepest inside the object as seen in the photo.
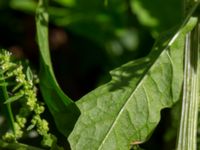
(22, 89)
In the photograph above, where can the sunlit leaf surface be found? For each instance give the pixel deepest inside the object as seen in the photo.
(126, 110)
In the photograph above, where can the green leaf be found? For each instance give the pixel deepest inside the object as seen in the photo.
(29, 74)
(27, 6)
(68, 3)
(126, 110)
(63, 109)
(13, 98)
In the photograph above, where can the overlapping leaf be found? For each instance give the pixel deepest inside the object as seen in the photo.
(62, 108)
(126, 110)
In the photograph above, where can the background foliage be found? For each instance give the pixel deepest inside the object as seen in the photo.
(88, 38)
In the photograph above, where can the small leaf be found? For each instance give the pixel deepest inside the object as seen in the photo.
(29, 74)
(17, 87)
(126, 110)
(13, 98)
(30, 127)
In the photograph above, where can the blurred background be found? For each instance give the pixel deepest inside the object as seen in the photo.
(88, 38)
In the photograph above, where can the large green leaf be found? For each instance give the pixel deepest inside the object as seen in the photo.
(62, 108)
(126, 110)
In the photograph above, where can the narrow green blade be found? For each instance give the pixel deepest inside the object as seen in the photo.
(63, 109)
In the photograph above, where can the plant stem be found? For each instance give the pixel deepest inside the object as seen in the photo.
(17, 146)
(8, 110)
(189, 115)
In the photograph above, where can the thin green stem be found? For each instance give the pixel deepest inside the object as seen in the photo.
(17, 146)
(8, 109)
